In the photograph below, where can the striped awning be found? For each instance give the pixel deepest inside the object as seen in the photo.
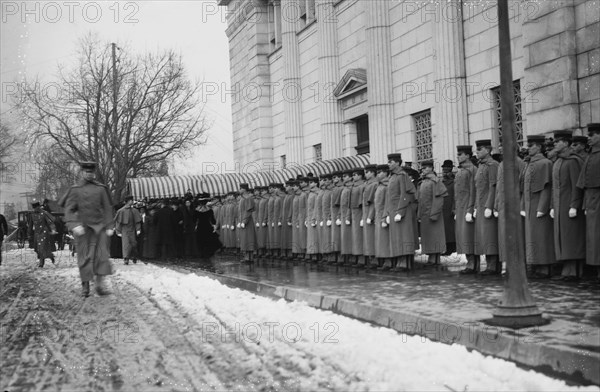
(220, 184)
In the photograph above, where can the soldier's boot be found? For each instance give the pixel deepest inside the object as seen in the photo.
(126, 261)
(101, 285)
(85, 289)
(41, 263)
(134, 261)
(52, 259)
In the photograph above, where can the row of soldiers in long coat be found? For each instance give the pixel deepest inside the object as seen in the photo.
(373, 216)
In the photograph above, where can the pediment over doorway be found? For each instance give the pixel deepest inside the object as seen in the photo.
(353, 81)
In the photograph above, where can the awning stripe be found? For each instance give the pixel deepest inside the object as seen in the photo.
(219, 184)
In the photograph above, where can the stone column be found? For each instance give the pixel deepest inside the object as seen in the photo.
(549, 93)
(449, 122)
(379, 79)
(291, 89)
(349, 139)
(331, 113)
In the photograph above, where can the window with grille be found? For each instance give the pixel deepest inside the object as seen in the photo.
(282, 161)
(518, 111)
(423, 135)
(318, 155)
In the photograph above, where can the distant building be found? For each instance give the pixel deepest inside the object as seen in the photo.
(320, 79)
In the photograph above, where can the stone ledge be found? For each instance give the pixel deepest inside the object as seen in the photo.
(575, 365)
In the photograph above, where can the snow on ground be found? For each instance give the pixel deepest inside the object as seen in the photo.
(165, 330)
(378, 358)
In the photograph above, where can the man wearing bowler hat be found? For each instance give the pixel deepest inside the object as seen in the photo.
(89, 215)
(589, 181)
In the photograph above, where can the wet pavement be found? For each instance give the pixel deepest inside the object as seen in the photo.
(432, 293)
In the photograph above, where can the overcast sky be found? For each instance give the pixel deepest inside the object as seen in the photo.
(38, 35)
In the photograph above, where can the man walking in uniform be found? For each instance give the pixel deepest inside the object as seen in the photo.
(128, 225)
(89, 215)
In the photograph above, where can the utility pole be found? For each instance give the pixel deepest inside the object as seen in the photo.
(516, 309)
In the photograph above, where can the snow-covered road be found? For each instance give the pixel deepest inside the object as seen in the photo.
(164, 330)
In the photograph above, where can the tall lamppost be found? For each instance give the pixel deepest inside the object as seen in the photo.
(516, 309)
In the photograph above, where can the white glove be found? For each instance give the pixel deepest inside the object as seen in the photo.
(552, 213)
(239, 225)
(539, 214)
(329, 222)
(242, 225)
(110, 232)
(454, 217)
(523, 213)
(232, 227)
(305, 223)
(387, 220)
(338, 222)
(79, 230)
(264, 224)
(585, 212)
(257, 224)
(273, 224)
(321, 223)
(313, 224)
(572, 212)
(369, 221)
(496, 214)
(222, 226)
(383, 224)
(487, 213)
(361, 223)
(397, 218)
(279, 224)
(475, 213)
(118, 234)
(469, 217)
(289, 223)
(138, 232)
(347, 222)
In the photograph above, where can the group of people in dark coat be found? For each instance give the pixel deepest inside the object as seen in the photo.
(379, 215)
(170, 229)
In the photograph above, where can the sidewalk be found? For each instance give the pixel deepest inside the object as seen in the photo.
(440, 304)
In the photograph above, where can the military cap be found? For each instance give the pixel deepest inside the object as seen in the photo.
(563, 135)
(245, 186)
(395, 157)
(348, 172)
(593, 128)
(483, 143)
(35, 204)
(273, 185)
(383, 167)
(87, 165)
(204, 196)
(128, 197)
(337, 173)
(536, 139)
(299, 176)
(325, 176)
(428, 162)
(313, 179)
(358, 170)
(448, 163)
(302, 179)
(580, 139)
(371, 168)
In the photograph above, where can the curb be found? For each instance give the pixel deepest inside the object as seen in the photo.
(579, 366)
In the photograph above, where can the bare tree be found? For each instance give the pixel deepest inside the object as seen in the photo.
(159, 112)
(8, 141)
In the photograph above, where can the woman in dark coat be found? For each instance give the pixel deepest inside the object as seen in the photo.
(207, 239)
(116, 243)
(150, 233)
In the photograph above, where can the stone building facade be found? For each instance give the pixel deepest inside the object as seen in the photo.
(321, 79)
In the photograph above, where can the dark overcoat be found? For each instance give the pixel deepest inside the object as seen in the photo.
(569, 233)
(537, 196)
(382, 234)
(326, 235)
(431, 201)
(356, 199)
(286, 221)
(88, 204)
(486, 229)
(448, 208)
(41, 229)
(464, 199)
(589, 181)
(346, 216)
(336, 230)
(312, 235)
(247, 234)
(368, 207)
(400, 199)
